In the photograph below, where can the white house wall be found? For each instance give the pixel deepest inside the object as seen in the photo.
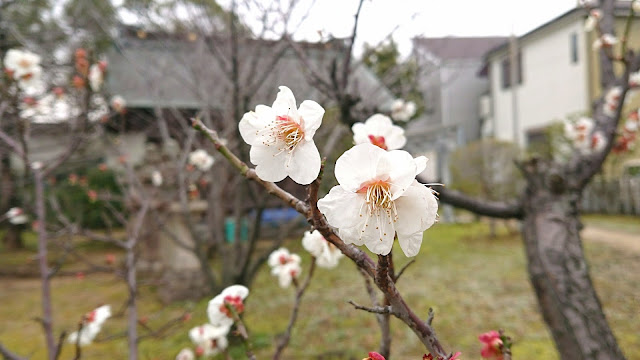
(461, 90)
(552, 86)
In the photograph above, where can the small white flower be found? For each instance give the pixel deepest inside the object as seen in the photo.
(118, 103)
(156, 178)
(592, 20)
(186, 354)
(286, 273)
(598, 142)
(377, 198)
(210, 340)
(201, 159)
(22, 65)
(16, 216)
(379, 131)
(612, 101)
(326, 254)
(635, 5)
(217, 311)
(281, 138)
(402, 110)
(92, 324)
(606, 40)
(96, 77)
(281, 257)
(36, 165)
(631, 124)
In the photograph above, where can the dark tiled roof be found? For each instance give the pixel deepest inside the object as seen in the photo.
(174, 72)
(458, 47)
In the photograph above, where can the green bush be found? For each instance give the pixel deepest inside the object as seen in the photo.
(76, 203)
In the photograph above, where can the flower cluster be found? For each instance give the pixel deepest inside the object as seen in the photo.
(201, 160)
(582, 136)
(492, 345)
(24, 67)
(210, 339)
(378, 198)
(118, 103)
(604, 41)
(326, 254)
(402, 110)
(285, 266)
(16, 216)
(91, 325)
(379, 131)
(612, 101)
(628, 134)
(281, 138)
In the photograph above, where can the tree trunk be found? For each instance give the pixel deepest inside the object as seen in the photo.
(560, 276)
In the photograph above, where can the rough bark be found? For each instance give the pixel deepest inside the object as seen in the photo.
(559, 273)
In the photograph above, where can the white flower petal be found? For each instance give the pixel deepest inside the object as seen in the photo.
(378, 233)
(311, 113)
(269, 162)
(358, 165)
(417, 209)
(410, 244)
(395, 138)
(285, 104)
(401, 172)
(253, 126)
(304, 165)
(342, 208)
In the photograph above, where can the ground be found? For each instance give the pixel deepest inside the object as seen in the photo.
(474, 284)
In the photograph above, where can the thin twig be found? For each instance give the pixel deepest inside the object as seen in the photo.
(284, 340)
(373, 309)
(241, 330)
(397, 277)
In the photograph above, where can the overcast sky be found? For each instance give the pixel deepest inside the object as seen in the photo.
(433, 18)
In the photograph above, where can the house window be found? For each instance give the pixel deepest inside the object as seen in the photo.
(573, 46)
(506, 71)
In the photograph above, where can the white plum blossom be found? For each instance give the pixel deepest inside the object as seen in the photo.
(96, 77)
(579, 131)
(597, 144)
(218, 313)
(201, 159)
(606, 40)
(379, 131)
(185, 354)
(16, 216)
(91, 326)
(22, 65)
(635, 5)
(156, 178)
(612, 101)
(37, 165)
(118, 103)
(284, 265)
(286, 273)
(632, 124)
(210, 340)
(592, 20)
(377, 198)
(281, 138)
(282, 256)
(402, 110)
(326, 254)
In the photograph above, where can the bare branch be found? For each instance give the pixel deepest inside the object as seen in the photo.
(374, 309)
(482, 207)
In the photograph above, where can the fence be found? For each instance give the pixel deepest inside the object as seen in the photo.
(613, 197)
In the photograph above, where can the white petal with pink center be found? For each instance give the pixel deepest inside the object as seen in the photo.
(378, 196)
(380, 131)
(217, 311)
(286, 273)
(210, 340)
(281, 138)
(185, 354)
(282, 256)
